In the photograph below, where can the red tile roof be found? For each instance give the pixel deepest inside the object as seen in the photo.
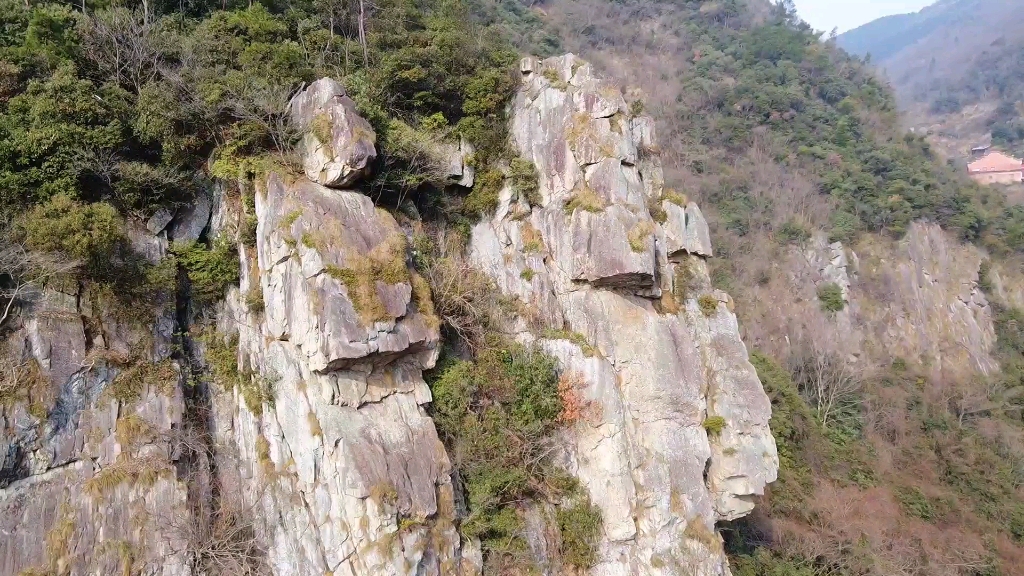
(995, 162)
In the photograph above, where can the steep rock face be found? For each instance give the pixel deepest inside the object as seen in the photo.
(90, 428)
(666, 354)
(917, 298)
(343, 468)
(937, 313)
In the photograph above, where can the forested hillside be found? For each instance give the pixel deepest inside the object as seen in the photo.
(900, 438)
(957, 62)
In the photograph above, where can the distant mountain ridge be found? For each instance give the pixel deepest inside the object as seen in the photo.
(888, 35)
(957, 62)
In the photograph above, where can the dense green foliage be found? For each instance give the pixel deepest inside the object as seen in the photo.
(831, 297)
(211, 270)
(108, 113)
(496, 413)
(821, 104)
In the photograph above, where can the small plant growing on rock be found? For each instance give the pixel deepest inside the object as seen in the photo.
(714, 425)
(483, 199)
(636, 107)
(670, 195)
(586, 200)
(254, 299)
(697, 530)
(385, 264)
(527, 274)
(523, 175)
(792, 232)
(579, 526)
(384, 493)
(708, 304)
(552, 76)
(831, 297)
(532, 241)
(574, 337)
(639, 237)
(210, 270)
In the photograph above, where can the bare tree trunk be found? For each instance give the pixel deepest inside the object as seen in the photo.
(346, 53)
(362, 34)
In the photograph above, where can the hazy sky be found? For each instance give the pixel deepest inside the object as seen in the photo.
(846, 14)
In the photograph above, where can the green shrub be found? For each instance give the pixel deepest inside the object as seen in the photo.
(708, 304)
(254, 298)
(523, 175)
(221, 355)
(494, 414)
(792, 232)
(92, 234)
(844, 227)
(830, 295)
(915, 503)
(552, 76)
(795, 430)
(763, 562)
(636, 107)
(211, 270)
(483, 199)
(714, 425)
(579, 526)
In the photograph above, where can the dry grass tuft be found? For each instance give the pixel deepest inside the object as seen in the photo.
(585, 199)
(465, 299)
(386, 264)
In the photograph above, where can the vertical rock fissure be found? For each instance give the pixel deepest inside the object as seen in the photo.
(196, 461)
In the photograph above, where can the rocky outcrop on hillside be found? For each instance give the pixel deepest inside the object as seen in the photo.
(293, 434)
(936, 312)
(338, 145)
(330, 445)
(91, 438)
(677, 433)
(917, 298)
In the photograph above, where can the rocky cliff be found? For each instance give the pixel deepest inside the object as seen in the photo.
(679, 437)
(296, 426)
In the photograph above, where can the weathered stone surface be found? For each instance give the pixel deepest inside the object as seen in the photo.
(72, 498)
(460, 169)
(698, 239)
(334, 276)
(190, 221)
(346, 450)
(159, 221)
(893, 290)
(338, 144)
(661, 366)
(931, 272)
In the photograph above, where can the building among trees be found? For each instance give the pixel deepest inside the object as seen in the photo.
(996, 168)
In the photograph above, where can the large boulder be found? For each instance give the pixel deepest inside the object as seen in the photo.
(338, 145)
